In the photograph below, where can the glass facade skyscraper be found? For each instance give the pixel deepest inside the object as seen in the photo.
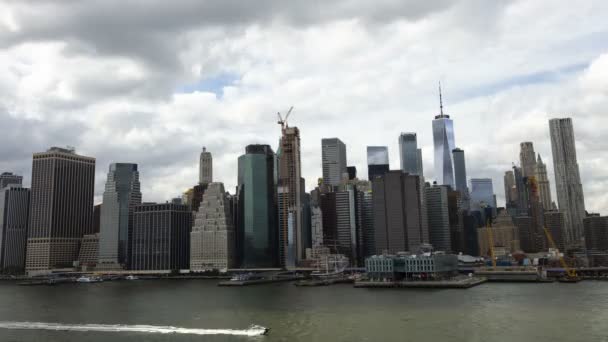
(460, 171)
(377, 161)
(482, 193)
(409, 154)
(333, 155)
(444, 144)
(257, 223)
(121, 195)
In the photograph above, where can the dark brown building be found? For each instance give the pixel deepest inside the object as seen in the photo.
(554, 222)
(61, 208)
(161, 236)
(596, 233)
(456, 221)
(14, 212)
(397, 212)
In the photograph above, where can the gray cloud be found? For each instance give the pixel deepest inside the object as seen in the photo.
(102, 76)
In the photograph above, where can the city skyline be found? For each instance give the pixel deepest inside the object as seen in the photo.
(167, 108)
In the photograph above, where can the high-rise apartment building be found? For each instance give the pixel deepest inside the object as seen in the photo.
(161, 236)
(409, 154)
(397, 212)
(212, 242)
(542, 180)
(290, 193)
(122, 193)
(333, 160)
(567, 178)
(444, 144)
(377, 161)
(14, 214)
(438, 217)
(7, 178)
(527, 159)
(257, 223)
(61, 209)
(205, 171)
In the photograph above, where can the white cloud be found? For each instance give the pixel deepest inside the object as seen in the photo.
(360, 73)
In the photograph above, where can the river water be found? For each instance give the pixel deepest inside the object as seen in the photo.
(116, 312)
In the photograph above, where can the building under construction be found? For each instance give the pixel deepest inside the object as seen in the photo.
(290, 193)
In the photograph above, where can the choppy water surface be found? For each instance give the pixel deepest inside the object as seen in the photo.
(198, 310)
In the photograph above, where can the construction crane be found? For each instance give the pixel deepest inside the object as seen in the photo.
(283, 121)
(570, 272)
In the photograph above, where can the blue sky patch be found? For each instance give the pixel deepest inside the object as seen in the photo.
(213, 84)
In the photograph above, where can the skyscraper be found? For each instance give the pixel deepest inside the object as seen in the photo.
(397, 212)
(554, 222)
(482, 193)
(444, 144)
(438, 217)
(290, 193)
(14, 212)
(522, 191)
(257, 224)
(61, 210)
(205, 172)
(460, 171)
(212, 240)
(7, 178)
(333, 160)
(510, 189)
(161, 238)
(543, 183)
(339, 222)
(567, 178)
(121, 195)
(365, 222)
(596, 233)
(527, 158)
(456, 215)
(409, 154)
(377, 161)
(352, 172)
(316, 223)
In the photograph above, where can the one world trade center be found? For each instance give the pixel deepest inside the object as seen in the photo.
(443, 141)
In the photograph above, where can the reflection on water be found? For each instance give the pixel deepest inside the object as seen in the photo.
(490, 312)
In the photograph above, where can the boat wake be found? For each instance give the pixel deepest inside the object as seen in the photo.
(253, 330)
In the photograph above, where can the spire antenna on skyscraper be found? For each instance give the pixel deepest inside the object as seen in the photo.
(440, 100)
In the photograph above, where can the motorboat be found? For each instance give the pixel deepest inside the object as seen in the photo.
(258, 328)
(131, 277)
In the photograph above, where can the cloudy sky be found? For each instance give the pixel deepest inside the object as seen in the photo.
(152, 82)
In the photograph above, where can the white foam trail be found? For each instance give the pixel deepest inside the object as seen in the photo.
(253, 330)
